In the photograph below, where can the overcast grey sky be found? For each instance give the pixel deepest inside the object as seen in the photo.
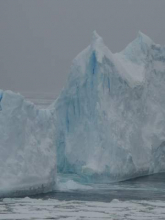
(40, 38)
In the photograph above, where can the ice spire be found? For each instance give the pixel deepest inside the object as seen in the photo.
(97, 41)
(96, 37)
(138, 50)
(144, 38)
(99, 48)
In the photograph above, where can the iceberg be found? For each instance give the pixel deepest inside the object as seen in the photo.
(27, 152)
(110, 115)
(108, 123)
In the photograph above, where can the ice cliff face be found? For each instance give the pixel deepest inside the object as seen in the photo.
(110, 115)
(27, 152)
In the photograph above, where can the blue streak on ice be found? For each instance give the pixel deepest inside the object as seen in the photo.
(1, 96)
(93, 62)
(109, 84)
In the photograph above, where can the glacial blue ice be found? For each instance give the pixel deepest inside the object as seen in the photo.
(1, 95)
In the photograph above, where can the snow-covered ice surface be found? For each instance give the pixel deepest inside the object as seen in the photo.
(111, 113)
(75, 210)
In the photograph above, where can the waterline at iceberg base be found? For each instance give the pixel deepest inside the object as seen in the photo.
(108, 124)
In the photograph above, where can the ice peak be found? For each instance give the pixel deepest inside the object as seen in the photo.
(95, 36)
(144, 38)
(97, 41)
(99, 48)
(137, 51)
(95, 53)
(141, 43)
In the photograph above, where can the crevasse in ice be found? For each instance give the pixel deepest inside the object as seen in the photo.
(111, 114)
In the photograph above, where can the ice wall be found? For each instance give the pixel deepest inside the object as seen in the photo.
(110, 115)
(27, 149)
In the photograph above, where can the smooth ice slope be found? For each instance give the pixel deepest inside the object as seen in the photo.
(27, 150)
(111, 114)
